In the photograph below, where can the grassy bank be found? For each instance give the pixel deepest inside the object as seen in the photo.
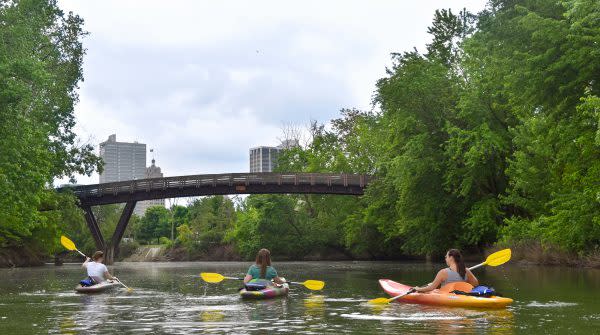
(533, 252)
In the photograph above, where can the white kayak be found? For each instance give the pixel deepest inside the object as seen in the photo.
(104, 286)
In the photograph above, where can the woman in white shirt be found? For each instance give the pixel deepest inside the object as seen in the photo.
(95, 269)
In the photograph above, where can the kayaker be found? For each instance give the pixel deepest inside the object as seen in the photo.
(455, 272)
(263, 269)
(96, 270)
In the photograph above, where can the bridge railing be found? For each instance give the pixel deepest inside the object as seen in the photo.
(232, 179)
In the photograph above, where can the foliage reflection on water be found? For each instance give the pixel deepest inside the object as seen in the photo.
(170, 298)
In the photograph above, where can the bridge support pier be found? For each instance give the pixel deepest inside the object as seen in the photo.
(110, 249)
(113, 246)
(94, 228)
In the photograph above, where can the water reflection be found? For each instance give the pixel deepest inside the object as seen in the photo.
(169, 298)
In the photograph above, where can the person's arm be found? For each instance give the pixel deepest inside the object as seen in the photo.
(107, 275)
(84, 265)
(471, 279)
(439, 278)
(247, 278)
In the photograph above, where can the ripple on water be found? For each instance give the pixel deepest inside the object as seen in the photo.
(551, 304)
(214, 297)
(414, 317)
(343, 300)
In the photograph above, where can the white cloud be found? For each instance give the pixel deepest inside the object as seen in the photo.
(202, 81)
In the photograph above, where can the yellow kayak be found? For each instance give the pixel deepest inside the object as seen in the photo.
(442, 297)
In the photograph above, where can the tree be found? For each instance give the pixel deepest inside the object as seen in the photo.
(154, 224)
(40, 67)
(210, 218)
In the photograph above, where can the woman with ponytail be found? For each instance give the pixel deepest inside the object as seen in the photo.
(455, 272)
(263, 269)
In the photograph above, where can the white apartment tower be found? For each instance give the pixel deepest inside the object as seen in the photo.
(122, 160)
(264, 159)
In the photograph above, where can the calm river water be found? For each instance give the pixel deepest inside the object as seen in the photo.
(170, 298)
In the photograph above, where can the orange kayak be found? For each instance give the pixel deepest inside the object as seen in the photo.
(442, 297)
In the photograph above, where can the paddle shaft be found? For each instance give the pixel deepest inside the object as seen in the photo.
(294, 282)
(234, 278)
(237, 278)
(120, 282)
(477, 266)
(413, 291)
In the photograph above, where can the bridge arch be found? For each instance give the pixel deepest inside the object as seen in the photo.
(132, 191)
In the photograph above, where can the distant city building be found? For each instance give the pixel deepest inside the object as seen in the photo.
(152, 171)
(127, 161)
(122, 160)
(264, 159)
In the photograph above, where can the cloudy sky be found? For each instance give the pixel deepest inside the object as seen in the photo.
(203, 81)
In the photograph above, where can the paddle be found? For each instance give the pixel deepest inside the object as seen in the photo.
(210, 277)
(70, 245)
(129, 289)
(495, 259)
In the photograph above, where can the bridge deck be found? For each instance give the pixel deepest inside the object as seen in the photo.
(211, 184)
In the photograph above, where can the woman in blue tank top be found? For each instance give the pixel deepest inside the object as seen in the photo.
(262, 268)
(455, 272)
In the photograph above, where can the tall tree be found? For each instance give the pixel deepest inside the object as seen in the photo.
(40, 67)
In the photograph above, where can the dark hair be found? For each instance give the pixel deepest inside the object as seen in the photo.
(458, 259)
(263, 258)
(97, 255)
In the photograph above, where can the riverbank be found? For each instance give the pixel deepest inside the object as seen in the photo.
(20, 257)
(534, 253)
(223, 253)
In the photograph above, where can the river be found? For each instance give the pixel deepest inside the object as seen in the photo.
(170, 298)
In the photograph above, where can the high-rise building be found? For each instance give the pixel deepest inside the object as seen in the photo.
(152, 171)
(127, 161)
(122, 160)
(264, 159)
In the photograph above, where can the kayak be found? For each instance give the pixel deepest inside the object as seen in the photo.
(104, 286)
(442, 296)
(271, 291)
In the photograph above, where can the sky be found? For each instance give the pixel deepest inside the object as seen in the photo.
(201, 82)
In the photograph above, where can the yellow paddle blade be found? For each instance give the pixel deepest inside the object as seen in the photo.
(379, 301)
(212, 277)
(498, 258)
(67, 243)
(314, 285)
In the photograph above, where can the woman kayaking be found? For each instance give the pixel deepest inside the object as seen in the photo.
(455, 272)
(96, 270)
(263, 269)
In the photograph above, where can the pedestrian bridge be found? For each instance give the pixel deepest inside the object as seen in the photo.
(130, 192)
(219, 184)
